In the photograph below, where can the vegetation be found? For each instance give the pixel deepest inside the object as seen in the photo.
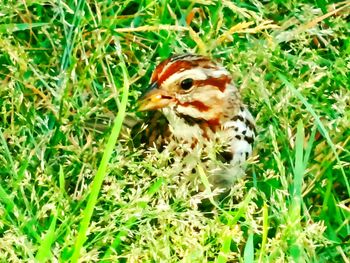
(65, 185)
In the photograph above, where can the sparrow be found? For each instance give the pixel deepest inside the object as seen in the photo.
(203, 109)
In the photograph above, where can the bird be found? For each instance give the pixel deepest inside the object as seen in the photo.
(203, 110)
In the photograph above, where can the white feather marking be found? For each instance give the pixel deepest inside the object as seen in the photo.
(241, 126)
(246, 115)
(240, 148)
(180, 128)
(207, 94)
(216, 73)
(190, 111)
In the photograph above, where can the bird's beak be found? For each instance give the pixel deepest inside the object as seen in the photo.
(154, 99)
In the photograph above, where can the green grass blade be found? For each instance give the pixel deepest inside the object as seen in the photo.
(7, 154)
(44, 251)
(6, 200)
(299, 168)
(309, 145)
(225, 249)
(265, 231)
(97, 182)
(320, 125)
(249, 250)
(10, 28)
(62, 183)
(66, 58)
(4, 197)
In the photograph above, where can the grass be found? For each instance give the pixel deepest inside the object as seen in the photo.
(69, 192)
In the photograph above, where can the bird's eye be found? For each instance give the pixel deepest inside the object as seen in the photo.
(186, 84)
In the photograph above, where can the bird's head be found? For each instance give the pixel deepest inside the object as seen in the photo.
(191, 86)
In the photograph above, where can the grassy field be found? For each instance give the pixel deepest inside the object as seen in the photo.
(71, 192)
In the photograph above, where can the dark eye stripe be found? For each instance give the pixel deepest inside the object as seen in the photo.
(197, 104)
(220, 82)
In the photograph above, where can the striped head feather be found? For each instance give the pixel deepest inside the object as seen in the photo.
(193, 87)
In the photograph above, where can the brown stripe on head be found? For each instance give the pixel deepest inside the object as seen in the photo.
(220, 82)
(177, 64)
(173, 68)
(196, 104)
(158, 70)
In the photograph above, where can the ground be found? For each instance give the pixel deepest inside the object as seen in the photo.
(73, 188)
